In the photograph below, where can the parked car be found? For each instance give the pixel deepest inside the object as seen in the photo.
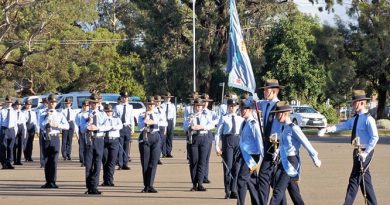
(138, 107)
(306, 116)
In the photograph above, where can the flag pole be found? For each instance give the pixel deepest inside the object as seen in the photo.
(193, 49)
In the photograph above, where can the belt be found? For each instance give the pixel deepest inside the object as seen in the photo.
(4, 127)
(203, 132)
(229, 134)
(112, 138)
(170, 119)
(126, 125)
(153, 132)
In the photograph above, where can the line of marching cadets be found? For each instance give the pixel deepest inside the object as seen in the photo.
(255, 156)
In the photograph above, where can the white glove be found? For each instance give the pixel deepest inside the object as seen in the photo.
(218, 150)
(363, 156)
(317, 162)
(275, 154)
(322, 132)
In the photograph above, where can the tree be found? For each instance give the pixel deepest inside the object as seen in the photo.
(290, 58)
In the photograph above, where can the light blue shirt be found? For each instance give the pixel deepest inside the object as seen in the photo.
(188, 111)
(251, 142)
(82, 121)
(33, 119)
(226, 123)
(222, 110)
(171, 111)
(276, 125)
(20, 117)
(366, 130)
(114, 124)
(204, 120)
(100, 121)
(141, 121)
(55, 117)
(72, 113)
(290, 141)
(12, 121)
(162, 119)
(129, 117)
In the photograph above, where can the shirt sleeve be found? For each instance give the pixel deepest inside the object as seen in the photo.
(373, 134)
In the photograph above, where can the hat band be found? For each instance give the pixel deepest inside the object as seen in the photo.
(359, 97)
(271, 85)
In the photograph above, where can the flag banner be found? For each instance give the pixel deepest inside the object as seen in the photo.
(239, 66)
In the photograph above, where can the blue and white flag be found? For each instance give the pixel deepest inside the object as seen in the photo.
(239, 66)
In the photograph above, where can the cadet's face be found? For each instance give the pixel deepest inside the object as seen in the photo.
(52, 105)
(282, 116)
(167, 99)
(150, 106)
(28, 106)
(198, 108)
(67, 105)
(85, 107)
(270, 93)
(245, 112)
(18, 107)
(9, 104)
(359, 106)
(232, 108)
(109, 113)
(93, 105)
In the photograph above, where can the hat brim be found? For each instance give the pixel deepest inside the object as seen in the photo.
(282, 110)
(168, 96)
(360, 99)
(273, 86)
(93, 101)
(149, 103)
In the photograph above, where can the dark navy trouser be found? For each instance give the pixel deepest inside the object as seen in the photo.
(110, 154)
(19, 141)
(355, 180)
(197, 157)
(29, 142)
(124, 146)
(82, 145)
(51, 148)
(150, 150)
(67, 138)
(247, 181)
(7, 145)
(93, 162)
(210, 145)
(230, 147)
(168, 140)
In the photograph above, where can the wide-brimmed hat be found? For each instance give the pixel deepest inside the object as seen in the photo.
(193, 96)
(68, 101)
(206, 98)
(18, 102)
(108, 108)
(8, 99)
(282, 106)
(358, 95)
(150, 101)
(168, 95)
(272, 83)
(28, 102)
(157, 98)
(198, 101)
(247, 104)
(52, 98)
(232, 102)
(44, 100)
(124, 94)
(94, 98)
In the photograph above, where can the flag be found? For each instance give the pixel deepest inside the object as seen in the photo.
(239, 66)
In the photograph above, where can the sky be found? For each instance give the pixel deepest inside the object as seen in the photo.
(326, 18)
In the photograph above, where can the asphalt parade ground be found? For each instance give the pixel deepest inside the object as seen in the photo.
(326, 185)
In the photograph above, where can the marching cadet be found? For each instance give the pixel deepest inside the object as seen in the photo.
(251, 148)
(51, 121)
(125, 112)
(188, 113)
(41, 108)
(8, 121)
(81, 121)
(214, 119)
(20, 133)
(291, 138)
(162, 123)
(95, 145)
(149, 144)
(31, 128)
(364, 137)
(67, 135)
(170, 114)
(229, 131)
(269, 164)
(111, 146)
(198, 126)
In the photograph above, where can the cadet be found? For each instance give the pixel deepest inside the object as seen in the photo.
(41, 108)
(229, 131)
(95, 145)
(251, 148)
(8, 123)
(81, 121)
(31, 128)
(189, 113)
(125, 112)
(20, 133)
(67, 135)
(170, 114)
(149, 144)
(51, 121)
(198, 126)
(291, 138)
(111, 146)
(269, 163)
(162, 123)
(364, 137)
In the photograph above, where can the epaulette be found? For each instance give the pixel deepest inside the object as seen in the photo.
(291, 125)
(253, 121)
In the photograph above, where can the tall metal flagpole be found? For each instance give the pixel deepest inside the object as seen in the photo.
(193, 39)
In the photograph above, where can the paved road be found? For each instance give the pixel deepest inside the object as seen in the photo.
(326, 185)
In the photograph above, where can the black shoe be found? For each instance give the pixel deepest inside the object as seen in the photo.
(163, 156)
(159, 162)
(9, 166)
(169, 156)
(227, 195)
(30, 160)
(233, 195)
(152, 190)
(126, 168)
(53, 185)
(93, 192)
(201, 188)
(206, 181)
(18, 163)
(107, 184)
(69, 158)
(64, 158)
(129, 159)
(46, 186)
(194, 188)
(145, 190)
